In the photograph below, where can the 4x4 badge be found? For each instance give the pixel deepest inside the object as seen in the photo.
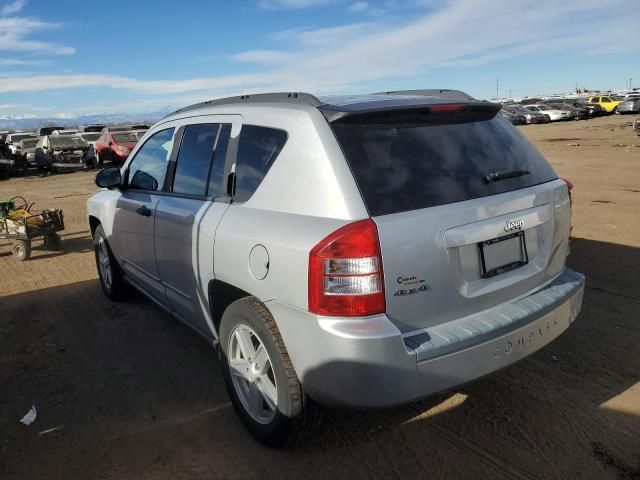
(514, 225)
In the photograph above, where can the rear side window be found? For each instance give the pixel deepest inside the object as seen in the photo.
(216, 177)
(258, 147)
(194, 160)
(400, 167)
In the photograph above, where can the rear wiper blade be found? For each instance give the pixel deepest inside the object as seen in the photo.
(496, 176)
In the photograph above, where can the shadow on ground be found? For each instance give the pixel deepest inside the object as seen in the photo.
(130, 393)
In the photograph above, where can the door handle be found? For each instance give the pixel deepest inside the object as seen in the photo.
(144, 211)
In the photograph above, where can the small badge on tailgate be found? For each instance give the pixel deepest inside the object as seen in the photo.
(514, 225)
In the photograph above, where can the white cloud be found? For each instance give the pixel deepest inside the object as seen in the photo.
(358, 7)
(14, 33)
(12, 7)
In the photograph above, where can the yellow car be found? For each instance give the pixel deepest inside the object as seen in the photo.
(606, 102)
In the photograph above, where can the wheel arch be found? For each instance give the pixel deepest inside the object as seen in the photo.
(93, 223)
(221, 295)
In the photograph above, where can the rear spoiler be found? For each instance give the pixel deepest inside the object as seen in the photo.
(432, 92)
(412, 111)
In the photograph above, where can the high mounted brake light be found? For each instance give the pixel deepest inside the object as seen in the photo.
(450, 108)
(345, 272)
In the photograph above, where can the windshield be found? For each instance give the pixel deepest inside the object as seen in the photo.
(91, 137)
(32, 142)
(125, 137)
(68, 142)
(400, 167)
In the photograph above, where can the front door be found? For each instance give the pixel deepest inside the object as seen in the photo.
(134, 222)
(187, 217)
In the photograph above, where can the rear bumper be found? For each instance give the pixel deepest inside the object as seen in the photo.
(368, 363)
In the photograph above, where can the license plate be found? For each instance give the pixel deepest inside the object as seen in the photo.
(503, 254)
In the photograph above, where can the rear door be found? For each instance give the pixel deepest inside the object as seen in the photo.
(188, 213)
(134, 221)
(469, 214)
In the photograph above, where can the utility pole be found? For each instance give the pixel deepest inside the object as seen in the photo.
(497, 88)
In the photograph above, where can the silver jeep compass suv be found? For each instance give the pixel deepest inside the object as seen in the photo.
(360, 251)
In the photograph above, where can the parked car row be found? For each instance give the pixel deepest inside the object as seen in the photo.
(57, 149)
(536, 110)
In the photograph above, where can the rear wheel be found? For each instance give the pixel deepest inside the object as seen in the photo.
(22, 249)
(113, 285)
(260, 377)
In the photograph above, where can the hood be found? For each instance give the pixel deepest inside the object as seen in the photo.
(57, 150)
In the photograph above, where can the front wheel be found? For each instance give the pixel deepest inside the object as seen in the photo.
(260, 377)
(111, 281)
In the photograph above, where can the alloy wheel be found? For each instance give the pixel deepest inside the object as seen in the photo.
(252, 374)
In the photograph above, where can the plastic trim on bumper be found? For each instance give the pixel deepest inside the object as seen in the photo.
(465, 332)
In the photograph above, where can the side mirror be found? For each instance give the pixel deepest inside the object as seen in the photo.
(111, 144)
(109, 178)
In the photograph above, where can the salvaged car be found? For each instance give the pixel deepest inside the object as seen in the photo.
(115, 146)
(63, 153)
(42, 131)
(515, 119)
(28, 151)
(579, 113)
(631, 105)
(530, 117)
(13, 141)
(554, 114)
(362, 251)
(608, 103)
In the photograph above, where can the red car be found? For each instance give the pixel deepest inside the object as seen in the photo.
(115, 146)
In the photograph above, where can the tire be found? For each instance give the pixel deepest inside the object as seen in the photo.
(52, 241)
(247, 328)
(111, 281)
(615, 110)
(22, 250)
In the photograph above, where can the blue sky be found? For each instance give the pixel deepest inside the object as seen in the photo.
(77, 57)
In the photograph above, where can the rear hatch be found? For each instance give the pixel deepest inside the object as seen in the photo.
(469, 214)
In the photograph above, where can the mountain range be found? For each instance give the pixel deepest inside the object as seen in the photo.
(22, 123)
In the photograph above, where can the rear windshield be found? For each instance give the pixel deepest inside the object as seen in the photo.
(402, 167)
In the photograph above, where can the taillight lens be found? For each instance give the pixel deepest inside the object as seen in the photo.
(345, 272)
(569, 188)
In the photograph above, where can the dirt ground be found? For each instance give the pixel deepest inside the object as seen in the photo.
(122, 391)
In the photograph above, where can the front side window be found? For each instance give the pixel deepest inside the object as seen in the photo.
(606, 99)
(194, 159)
(258, 147)
(148, 168)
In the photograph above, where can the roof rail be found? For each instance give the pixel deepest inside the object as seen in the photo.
(435, 92)
(279, 97)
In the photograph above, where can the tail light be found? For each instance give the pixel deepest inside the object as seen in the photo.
(345, 272)
(569, 188)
